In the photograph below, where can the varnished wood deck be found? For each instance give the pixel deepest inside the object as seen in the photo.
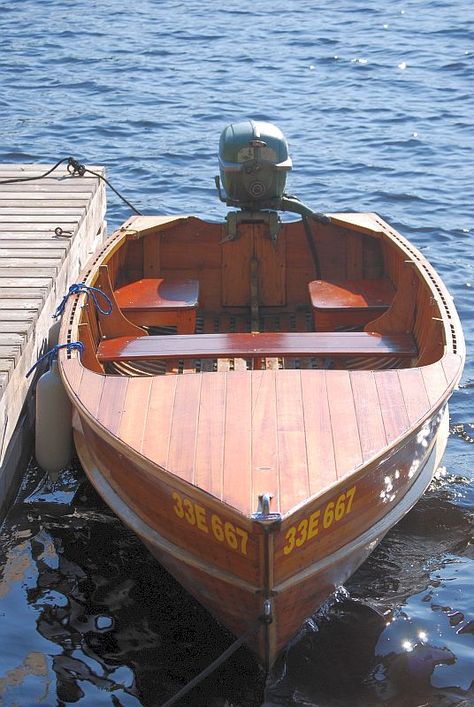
(238, 434)
(36, 267)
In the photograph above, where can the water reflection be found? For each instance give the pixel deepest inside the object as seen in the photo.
(87, 616)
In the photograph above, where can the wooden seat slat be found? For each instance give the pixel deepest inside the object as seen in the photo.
(245, 345)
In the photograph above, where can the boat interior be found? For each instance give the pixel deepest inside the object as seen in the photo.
(188, 296)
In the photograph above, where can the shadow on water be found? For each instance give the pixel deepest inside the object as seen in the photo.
(88, 616)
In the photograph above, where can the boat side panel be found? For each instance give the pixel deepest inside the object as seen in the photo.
(297, 603)
(205, 527)
(346, 511)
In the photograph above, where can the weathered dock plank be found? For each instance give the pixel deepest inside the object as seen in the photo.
(36, 269)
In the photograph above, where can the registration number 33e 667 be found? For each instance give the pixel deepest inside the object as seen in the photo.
(310, 527)
(210, 524)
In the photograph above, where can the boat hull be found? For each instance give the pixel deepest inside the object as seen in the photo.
(295, 582)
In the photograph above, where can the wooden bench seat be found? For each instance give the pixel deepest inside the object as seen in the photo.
(160, 302)
(349, 303)
(267, 344)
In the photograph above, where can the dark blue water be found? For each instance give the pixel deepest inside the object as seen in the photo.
(376, 100)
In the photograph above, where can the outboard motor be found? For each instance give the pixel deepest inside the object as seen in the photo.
(253, 161)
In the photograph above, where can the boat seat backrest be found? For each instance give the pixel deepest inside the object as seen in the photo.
(115, 323)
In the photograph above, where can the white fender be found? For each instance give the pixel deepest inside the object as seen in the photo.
(53, 444)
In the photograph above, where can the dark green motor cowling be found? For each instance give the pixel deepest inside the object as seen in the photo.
(253, 161)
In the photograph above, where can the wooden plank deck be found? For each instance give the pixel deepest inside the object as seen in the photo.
(36, 269)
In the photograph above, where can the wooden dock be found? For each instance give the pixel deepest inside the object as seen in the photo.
(36, 268)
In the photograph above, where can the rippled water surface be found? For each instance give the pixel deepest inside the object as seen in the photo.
(376, 100)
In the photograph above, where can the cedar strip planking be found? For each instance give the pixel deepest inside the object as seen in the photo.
(238, 442)
(112, 403)
(451, 365)
(265, 458)
(347, 446)
(435, 381)
(74, 371)
(294, 480)
(209, 459)
(392, 403)
(414, 393)
(133, 421)
(156, 437)
(184, 426)
(90, 391)
(317, 424)
(369, 416)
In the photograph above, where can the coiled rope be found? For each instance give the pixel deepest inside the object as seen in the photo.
(93, 292)
(75, 169)
(52, 353)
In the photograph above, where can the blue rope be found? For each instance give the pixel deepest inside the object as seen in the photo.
(52, 353)
(94, 292)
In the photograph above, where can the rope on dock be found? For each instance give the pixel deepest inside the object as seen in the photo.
(75, 169)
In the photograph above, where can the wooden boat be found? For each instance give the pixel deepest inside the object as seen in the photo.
(259, 416)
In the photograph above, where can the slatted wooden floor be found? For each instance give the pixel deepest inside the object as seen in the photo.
(36, 266)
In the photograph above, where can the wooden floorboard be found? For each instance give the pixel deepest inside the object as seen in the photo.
(294, 479)
(368, 413)
(237, 482)
(209, 457)
(265, 454)
(317, 422)
(394, 413)
(346, 439)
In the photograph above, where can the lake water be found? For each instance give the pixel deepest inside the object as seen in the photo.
(376, 100)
